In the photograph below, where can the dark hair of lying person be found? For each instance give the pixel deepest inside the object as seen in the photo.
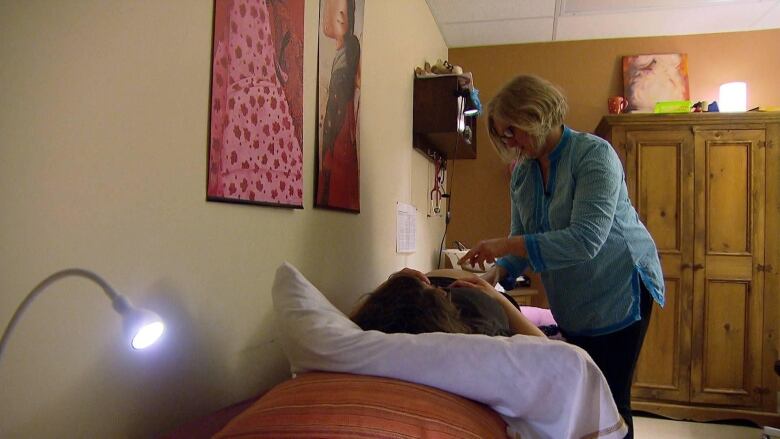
(405, 305)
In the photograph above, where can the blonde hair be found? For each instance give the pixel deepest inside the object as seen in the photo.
(529, 103)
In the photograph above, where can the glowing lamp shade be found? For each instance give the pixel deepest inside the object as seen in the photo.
(733, 97)
(141, 326)
(147, 335)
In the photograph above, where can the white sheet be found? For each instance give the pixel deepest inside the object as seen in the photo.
(544, 389)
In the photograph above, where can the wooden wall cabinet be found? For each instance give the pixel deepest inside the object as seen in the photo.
(436, 117)
(707, 186)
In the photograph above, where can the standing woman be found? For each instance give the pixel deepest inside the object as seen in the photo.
(572, 222)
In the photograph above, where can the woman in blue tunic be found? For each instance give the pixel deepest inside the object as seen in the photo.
(572, 222)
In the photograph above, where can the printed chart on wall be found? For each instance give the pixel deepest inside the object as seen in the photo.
(256, 117)
(406, 228)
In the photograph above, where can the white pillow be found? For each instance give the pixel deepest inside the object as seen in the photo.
(542, 388)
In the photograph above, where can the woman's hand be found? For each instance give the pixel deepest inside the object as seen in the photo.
(477, 283)
(517, 321)
(490, 249)
(411, 272)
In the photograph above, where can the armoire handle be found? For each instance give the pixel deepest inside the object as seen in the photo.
(696, 267)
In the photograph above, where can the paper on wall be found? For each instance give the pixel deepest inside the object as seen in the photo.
(406, 228)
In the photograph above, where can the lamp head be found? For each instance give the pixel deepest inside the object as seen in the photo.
(142, 327)
(733, 97)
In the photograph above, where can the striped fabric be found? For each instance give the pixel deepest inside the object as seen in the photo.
(336, 406)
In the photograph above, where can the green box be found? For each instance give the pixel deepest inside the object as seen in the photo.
(673, 107)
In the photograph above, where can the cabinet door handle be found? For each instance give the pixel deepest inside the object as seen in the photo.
(685, 266)
(697, 267)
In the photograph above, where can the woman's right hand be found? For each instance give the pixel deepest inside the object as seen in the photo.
(517, 321)
(491, 249)
(411, 272)
(478, 283)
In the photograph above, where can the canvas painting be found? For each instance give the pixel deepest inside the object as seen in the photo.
(256, 115)
(648, 79)
(338, 96)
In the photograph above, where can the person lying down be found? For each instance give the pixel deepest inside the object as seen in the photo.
(442, 301)
(543, 388)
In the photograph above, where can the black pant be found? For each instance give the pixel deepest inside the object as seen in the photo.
(616, 355)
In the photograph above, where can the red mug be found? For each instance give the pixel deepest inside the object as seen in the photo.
(617, 104)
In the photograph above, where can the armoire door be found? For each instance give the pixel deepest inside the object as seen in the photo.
(659, 168)
(728, 284)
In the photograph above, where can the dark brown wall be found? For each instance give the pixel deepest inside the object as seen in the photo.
(589, 72)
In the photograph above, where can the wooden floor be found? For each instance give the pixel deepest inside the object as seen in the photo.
(656, 428)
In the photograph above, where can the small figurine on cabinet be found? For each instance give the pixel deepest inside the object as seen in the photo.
(699, 107)
(440, 68)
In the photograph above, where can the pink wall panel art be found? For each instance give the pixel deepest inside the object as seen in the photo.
(255, 142)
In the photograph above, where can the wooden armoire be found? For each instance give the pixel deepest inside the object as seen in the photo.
(707, 186)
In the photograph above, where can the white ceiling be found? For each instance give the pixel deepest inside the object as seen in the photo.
(466, 23)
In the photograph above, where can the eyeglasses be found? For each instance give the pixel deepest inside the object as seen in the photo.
(506, 136)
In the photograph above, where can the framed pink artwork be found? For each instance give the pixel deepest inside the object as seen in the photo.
(648, 79)
(337, 182)
(255, 153)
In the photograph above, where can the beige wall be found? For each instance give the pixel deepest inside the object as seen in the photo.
(103, 134)
(589, 72)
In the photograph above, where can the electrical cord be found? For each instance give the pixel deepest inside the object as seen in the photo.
(448, 196)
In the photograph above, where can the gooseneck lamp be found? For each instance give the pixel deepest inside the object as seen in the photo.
(141, 326)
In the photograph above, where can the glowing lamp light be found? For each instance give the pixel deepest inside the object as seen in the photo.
(142, 327)
(733, 97)
(147, 335)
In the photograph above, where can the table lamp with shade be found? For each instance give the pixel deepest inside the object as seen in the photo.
(733, 97)
(142, 327)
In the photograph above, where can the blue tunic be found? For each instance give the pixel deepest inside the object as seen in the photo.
(583, 236)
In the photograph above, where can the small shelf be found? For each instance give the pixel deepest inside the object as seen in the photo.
(436, 114)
